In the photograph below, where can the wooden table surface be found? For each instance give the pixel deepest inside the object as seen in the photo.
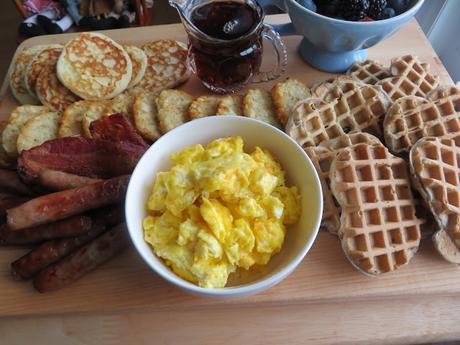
(324, 301)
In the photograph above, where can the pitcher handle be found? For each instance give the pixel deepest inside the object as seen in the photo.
(286, 29)
(281, 56)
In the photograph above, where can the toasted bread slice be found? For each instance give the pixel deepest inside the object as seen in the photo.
(230, 105)
(286, 94)
(258, 104)
(71, 120)
(145, 115)
(172, 109)
(37, 130)
(139, 62)
(95, 111)
(203, 106)
(18, 118)
(94, 67)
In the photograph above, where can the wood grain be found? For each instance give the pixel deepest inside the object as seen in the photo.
(324, 293)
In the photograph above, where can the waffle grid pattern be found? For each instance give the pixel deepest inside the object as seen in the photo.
(314, 121)
(411, 78)
(369, 72)
(380, 230)
(412, 118)
(436, 161)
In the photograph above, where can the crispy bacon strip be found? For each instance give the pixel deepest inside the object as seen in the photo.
(10, 183)
(59, 180)
(72, 226)
(116, 128)
(82, 261)
(52, 251)
(52, 207)
(95, 158)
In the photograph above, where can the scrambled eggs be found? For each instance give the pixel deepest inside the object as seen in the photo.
(219, 209)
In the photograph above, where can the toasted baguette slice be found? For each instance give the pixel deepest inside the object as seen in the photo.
(71, 120)
(94, 112)
(145, 115)
(18, 118)
(230, 105)
(203, 106)
(286, 94)
(37, 130)
(258, 105)
(172, 108)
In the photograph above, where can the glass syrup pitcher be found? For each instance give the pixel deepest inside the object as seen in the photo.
(225, 42)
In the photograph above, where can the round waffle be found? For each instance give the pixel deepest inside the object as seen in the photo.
(379, 228)
(368, 71)
(320, 88)
(435, 163)
(139, 62)
(358, 109)
(51, 92)
(411, 78)
(93, 66)
(47, 57)
(17, 77)
(167, 65)
(322, 157)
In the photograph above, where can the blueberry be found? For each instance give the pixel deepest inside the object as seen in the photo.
(308, 4)
(388, 13)
(399, 6)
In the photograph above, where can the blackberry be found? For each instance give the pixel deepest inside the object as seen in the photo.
(328, 7)
(376, 8)
(354, 9)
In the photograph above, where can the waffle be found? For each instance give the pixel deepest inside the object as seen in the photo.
(446, 95)
(360, 109)
(435, 162)
(411, 78)
(322, 157)
(379, 229)
(320, 88)
(368, 71)
(411, 118)
(446, 247)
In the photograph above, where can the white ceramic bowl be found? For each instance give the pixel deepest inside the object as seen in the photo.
(295, 162)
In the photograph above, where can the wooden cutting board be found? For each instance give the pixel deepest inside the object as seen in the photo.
(324, 276)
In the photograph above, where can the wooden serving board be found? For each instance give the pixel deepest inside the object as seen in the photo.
(324, 276)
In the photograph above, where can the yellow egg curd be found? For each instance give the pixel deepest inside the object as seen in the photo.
(219, 209)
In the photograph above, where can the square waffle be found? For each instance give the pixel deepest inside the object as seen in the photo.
(380, 231)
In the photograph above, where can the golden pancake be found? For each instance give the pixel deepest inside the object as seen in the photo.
(94, 67)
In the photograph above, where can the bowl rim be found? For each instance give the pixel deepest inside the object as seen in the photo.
(411, 12)
(249, 288)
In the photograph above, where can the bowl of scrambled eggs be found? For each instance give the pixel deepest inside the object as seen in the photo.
(224, 206)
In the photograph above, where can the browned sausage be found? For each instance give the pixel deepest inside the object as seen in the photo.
(72, 226)
(52, 207)
(10, 183)
(59, 180)
(83, 260)
(9, 201)
(52, 251)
